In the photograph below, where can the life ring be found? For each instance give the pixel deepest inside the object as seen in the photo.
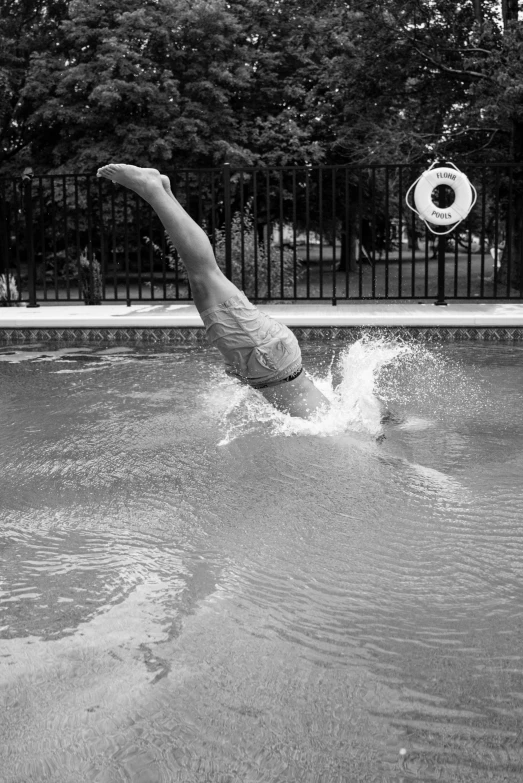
(464, 196)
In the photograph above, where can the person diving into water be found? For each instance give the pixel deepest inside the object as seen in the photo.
(258, 350)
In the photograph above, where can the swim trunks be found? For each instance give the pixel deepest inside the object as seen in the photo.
(257, 349)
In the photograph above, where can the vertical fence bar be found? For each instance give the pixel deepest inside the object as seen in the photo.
(520, 259)
(426, 286)
(348, 233)
(441, 271)
(66, 238)
(15, 213)
(18, 212)
(469, 261)
(242, 229)
(41, 211)
(66, 231)
(482, 233)
(91, 256)
(174, 254)
(414, 246)
(200, 200)
(174, 260)
(456, 261)
(138, 240)
(498, 251)
(227, 219)
(164, 250)
(213, 212)
(126, 247)
(256, 229)
(29, 235)
(5, 233)
(294, 250)
(519, 229)
(321, 227)
(373, 230)
(360, 237)
(77, 237)
(269, 234)
(280, 226)
(4, 269)
(510, 228)
(113, 225)
(201, 215)
(442, 241)
(54, 234)
(387, 232)
(400, 228)
(101, 236)
(334, 227)
(151, 254)
(307, 231)
(4, 229)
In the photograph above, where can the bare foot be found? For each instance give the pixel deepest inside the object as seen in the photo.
(145, 182)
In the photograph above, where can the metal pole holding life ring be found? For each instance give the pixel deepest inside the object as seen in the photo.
(465, 196)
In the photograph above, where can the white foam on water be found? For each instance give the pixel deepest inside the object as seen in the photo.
(17, 355)
(415, 424)
(355, 404)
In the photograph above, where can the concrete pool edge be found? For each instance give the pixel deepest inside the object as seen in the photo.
(180, 322)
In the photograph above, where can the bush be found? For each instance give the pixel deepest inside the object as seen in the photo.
(250, 264)
(250, 260)
(90, 279)
(171, 257)
(9, 294)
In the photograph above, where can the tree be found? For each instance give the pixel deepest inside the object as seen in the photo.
(27, 29)
(143, 81)
(259, 81)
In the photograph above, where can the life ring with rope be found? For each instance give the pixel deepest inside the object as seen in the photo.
(464, 196)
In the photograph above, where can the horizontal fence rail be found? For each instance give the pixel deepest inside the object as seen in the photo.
(293, 233)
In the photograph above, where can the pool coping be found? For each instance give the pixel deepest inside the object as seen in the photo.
(181, 321)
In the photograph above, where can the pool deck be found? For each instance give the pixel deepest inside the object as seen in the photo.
(184, 315)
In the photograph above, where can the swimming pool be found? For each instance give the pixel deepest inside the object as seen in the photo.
(195, 588)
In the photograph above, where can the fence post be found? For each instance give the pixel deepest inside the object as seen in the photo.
(27, 180)
(228, 219)
(442, 241)
(441, 271)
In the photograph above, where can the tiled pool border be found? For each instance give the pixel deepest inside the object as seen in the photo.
(188, 335)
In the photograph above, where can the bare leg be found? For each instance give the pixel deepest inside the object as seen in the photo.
(209, 285)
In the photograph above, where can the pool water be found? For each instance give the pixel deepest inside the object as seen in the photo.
(197, 588)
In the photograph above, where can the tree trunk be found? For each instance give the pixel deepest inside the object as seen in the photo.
(510, 11)
(348, 251)
(478, 13)
(513, 249)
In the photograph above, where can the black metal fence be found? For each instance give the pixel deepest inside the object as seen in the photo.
(311, 233)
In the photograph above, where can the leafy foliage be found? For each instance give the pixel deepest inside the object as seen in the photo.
(260, 269)
(90, 279)
(9, 294)
(254, 82)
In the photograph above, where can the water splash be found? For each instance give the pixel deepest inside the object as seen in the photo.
(355, 402)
